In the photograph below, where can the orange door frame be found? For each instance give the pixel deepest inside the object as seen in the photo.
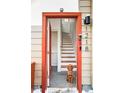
(45, 16)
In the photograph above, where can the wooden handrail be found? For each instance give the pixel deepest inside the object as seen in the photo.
(32, 74)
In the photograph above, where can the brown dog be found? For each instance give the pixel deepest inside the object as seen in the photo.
(70, 73)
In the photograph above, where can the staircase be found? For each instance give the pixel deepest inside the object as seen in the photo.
(68, 55)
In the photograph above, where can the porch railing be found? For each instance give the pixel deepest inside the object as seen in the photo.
(32, 75)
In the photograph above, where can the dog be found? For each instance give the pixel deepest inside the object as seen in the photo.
(70, 76)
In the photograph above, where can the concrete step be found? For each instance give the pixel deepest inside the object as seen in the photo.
(61, 90)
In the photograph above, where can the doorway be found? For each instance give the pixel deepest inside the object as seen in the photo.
(47, 68)
(63, 52)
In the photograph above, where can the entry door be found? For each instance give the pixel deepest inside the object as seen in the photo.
(48, 53)
(45, 46)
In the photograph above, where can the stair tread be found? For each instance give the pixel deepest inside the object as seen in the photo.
(69, 58)
(68, 61)
(63, 51)
(67, 48)
(67, 45)
(67, 55)
(65, 66)
(68, 52)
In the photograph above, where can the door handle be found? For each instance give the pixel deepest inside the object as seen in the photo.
(80, 37)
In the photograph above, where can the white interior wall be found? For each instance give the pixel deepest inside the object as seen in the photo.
(54, 48)
(66, 27)
(73, 31)
(69, 25)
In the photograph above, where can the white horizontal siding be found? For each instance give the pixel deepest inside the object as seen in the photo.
(86, 80)
(86, 73)
(36, 47)
(36, 54)
(38, 66)
(37, 81)
(86, 54)
(85, 3)
(84, 28)
(89, 47)
(37, 60)
(88, 40)
(86, 61)
(85, 8)
(84, 34)
(36, 35)
(36, 41)
(38, 73)
(86, 66)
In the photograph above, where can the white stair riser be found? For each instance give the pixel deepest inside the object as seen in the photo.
(67, 54)
(68, 59)
(68, 63)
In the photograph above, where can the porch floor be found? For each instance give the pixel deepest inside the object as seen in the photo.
(39, 91)
(58, 79)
